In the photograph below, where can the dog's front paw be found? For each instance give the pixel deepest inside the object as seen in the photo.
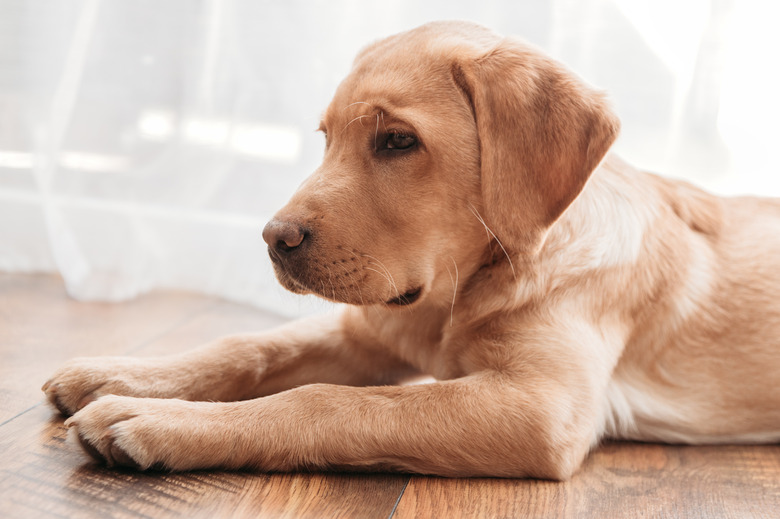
(144, 433)
(96, 428)
(84, 380)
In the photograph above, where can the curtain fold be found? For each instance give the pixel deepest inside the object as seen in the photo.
(144, 144)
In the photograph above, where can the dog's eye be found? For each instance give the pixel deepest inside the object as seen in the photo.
(399, 141)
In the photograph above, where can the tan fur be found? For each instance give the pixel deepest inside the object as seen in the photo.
(565, 296)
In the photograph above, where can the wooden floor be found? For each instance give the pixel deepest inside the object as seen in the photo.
(44, 475)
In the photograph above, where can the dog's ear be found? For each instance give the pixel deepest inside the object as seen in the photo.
(542, 132)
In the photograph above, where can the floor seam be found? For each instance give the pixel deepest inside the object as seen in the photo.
(397, 501)
(20, 414)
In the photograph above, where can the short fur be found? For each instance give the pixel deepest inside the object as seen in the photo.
(558, 295)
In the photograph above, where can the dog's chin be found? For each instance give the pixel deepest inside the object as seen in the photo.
(359, 294)
(289, 283)
(356, 297)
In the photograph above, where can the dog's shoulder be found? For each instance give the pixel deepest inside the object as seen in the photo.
(698, 209)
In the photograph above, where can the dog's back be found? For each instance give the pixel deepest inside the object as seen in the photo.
(702, 356)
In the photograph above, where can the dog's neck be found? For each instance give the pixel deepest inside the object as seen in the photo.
(602, 227)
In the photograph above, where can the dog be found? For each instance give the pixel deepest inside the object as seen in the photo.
(470, 215)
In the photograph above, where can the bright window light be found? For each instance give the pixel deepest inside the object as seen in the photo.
(671, 28)
(16, 159)
(274, 143)
(210, 132)
(93, 162)
(156, 125)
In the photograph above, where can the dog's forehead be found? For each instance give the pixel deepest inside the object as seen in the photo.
(410, 69)
(399, 82)
(373, 90)
(401, 71)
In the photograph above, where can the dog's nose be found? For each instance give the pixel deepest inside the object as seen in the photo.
(283, 237)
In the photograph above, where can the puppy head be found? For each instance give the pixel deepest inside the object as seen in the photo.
(440, 142)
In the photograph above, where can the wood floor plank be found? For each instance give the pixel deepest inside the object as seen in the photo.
(619, 480)
(221, 319)
(44, 475)
(40, 328)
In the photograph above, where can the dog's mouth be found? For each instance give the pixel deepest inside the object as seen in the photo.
(345, 290)
(407, 298)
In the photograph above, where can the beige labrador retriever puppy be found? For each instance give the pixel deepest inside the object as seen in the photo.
(468, 213)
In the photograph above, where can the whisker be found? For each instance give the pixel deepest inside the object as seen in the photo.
(376, 131)
(387, 278)
(358, 103)
(378, 272)
(487, 231)
(389, 275)
(454, 288)
(482, 221)
(359, 117)
(330, 280)
(344, 283)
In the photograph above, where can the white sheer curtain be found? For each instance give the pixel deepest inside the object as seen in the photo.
(143, 144)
